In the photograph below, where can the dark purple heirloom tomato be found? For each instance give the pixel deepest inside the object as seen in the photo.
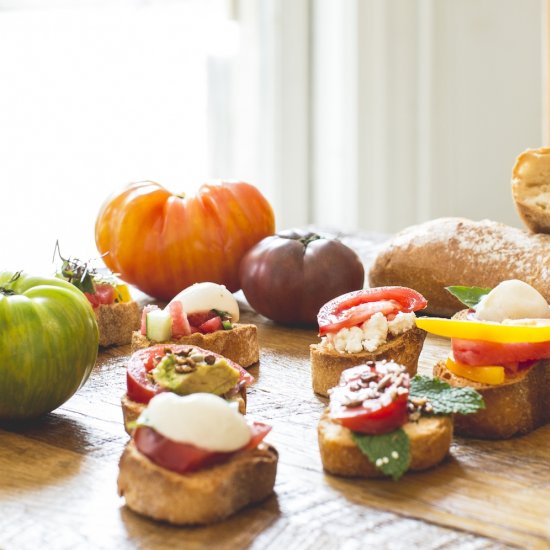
(288, 277)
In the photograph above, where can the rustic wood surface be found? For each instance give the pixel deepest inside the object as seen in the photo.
(58, 476)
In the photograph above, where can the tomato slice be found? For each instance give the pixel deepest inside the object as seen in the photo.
(104, 295)
(480, 352)
(197, 318)
(180, 324)
(185, 457)
(141, 388)
(211, 325)
(354, 308)
(371, 398)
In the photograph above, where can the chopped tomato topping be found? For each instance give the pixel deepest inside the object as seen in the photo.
(104, 295)
(212, 325)
(180, 324)
(197, 318)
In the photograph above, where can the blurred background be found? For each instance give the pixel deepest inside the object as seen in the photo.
(354, 114)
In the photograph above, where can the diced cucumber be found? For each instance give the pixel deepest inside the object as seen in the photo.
(159, 325)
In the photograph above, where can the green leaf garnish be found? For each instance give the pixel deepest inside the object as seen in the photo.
(390, 452)
(444, 398)
(468, 295)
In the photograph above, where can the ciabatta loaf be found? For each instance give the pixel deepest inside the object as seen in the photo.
(328, 365)
(531, 188)
(240, 344)
(516, 407)
(430, 439)
(201, 497)
(457, 251)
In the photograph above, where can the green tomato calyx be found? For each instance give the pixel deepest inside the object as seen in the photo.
(6, 290)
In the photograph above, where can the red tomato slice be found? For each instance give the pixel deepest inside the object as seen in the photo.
(141, 388)
(104, 295)
(180, 324)
(184, 457)
(354, 308)
(197, 318)
(376, 414)
(479, 352)
(212, 325)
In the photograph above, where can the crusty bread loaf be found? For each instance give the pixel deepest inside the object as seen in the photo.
(430, 439)
(531, 188)
(117, 322)
(516, 407)
(457, 251)
(132, 409)
(200, 497)
(240, 344)
(327, 365)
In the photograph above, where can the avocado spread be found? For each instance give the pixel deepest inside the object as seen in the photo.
(193, 373)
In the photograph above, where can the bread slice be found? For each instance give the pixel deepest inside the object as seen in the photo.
(240, 344)
(200, 497)
(531, 189)
(327, 365)
(430, 439)
(117, 322)
(516, 407)
(132, 409)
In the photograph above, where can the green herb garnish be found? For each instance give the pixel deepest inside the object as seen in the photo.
(468, 295)
(444, 398)
(390, 452)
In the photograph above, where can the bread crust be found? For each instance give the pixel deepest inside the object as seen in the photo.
(430, 439)
(328, 365)
(197, 498)
(456, 251)
(517, 407)
(117, 322)
(531, 188)
(132, 409)
(240, 344)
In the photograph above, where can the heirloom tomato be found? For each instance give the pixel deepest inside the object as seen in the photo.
(48, 343)
(287, 277)
(163, 242)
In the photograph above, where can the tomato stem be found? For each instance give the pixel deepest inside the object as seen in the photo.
(9, 291)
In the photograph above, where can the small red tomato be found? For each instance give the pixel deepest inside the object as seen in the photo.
(287, 277)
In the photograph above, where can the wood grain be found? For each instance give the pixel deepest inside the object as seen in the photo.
(58, 476)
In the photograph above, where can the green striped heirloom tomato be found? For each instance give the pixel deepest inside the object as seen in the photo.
(48, 343)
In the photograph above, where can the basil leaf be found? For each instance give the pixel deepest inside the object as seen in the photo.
(444, 398)
(390, 452)
(468, 295)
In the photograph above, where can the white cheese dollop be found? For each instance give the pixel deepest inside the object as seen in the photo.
(207, 296)
(201, 419)
(512, 299)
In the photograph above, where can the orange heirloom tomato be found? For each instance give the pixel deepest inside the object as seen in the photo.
(162, 242)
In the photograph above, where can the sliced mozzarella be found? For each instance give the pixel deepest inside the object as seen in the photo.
(512, 300)
(207, 296)
(201, 419)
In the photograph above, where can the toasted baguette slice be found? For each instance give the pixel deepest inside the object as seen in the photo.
(240, 344)
(132, 409)
(430, 439)
(531, 189)
(516, 407)
(200, 497)
(117, 322)
(327, 365)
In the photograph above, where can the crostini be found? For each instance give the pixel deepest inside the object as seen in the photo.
(366, 325)
(204, 315)
(116, 313)
(381, 423)
(195, 460)
(500, 347)
(182, 370)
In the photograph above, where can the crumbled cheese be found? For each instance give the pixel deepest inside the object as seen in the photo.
(374, 332)
(401, 323)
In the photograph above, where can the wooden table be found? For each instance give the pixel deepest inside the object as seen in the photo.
(58, 476)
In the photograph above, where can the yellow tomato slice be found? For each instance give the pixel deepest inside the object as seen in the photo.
(493, 375)
(122, 293)
(479, 330)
